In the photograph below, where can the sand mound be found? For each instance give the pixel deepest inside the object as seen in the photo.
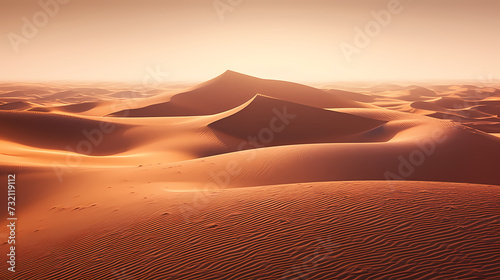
(410, 93)
(333, 230)
(418, 92)
(356, 96)
(78, 108)
(21, 93)
(278, 122)
(488, 109)
(58, 132)
(450, 161)
(71, 108)
(18, 106)
(479, 113)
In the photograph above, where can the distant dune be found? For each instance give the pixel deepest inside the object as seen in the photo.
(247, 178)
(16, 105)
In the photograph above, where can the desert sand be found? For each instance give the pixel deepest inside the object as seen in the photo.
(248, 178)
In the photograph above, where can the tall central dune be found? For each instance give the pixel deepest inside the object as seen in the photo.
(232, 89)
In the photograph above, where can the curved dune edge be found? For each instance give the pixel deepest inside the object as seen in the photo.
(293, 122)
(337, 230)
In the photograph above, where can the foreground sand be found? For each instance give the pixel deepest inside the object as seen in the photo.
(246, 178)
(329, 230)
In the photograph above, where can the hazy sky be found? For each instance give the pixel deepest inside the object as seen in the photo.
(302, 41)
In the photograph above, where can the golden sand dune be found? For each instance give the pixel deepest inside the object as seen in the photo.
(330, 230)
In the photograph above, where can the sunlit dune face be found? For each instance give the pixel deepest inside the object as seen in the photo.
(303, 41)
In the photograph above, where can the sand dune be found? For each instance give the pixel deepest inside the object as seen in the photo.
(18, 105)
(337, 230)
(451, 161)
(478, 114)
(56, 132)
(232, 89)
(278, 122)
(247, 178)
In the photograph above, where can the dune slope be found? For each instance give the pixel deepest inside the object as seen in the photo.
(341, 230)
(277, 122)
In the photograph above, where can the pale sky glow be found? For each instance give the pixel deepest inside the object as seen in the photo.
(117, 40)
